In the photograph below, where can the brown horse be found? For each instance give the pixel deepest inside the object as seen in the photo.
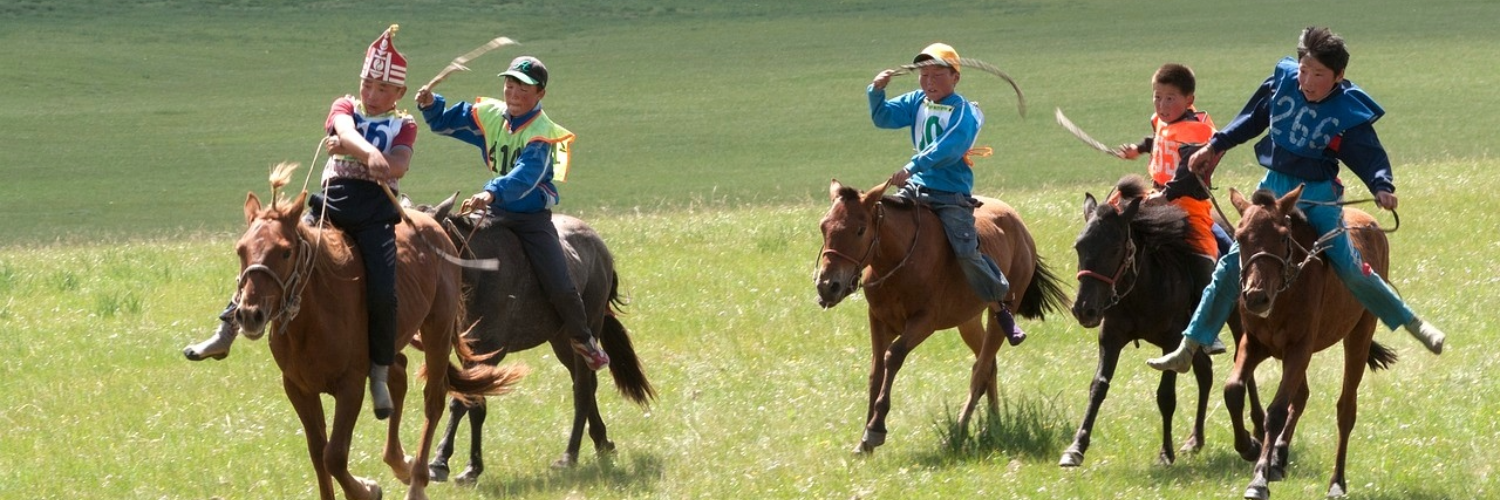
(305, 281)
(1136, 278)
(897, 252)
(1293, 306)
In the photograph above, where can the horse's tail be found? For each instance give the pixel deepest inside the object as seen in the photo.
(624, 365)
(1044, 295)
(476, 378)
(1381, 357)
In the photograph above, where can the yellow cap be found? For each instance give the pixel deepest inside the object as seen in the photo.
(940, 51)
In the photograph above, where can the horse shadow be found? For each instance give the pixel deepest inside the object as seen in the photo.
(639, 472)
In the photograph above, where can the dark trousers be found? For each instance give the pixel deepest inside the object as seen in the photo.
(545, 253)
(362, 209)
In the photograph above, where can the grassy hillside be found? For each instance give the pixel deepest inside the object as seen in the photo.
(150, 118)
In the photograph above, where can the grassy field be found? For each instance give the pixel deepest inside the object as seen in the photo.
(709, 131)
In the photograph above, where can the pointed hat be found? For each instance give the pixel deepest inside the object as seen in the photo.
(383, 62)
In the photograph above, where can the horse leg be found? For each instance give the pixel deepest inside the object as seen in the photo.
(1242, 378)
(394, 455)
(1257, 412)
(309, 409)
(1293, 379)
(434, 393)
(438, 467)
(1203, 372)
(982, 342)
(346, 407)
(881, 340)
(1109, 358)
(477, 412)
(1356, 353)
(1166, 405)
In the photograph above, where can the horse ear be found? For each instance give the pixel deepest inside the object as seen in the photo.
(294, 212)
(1129, 211)
(1089, 206)
(440, 212)
(252, 207)
(1238, 200)
(833, 190)
(1289, 202)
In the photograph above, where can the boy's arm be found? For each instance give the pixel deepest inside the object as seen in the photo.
(456, 122)
(1251, 121)
(1360, 149)
(349, 141)
(529, 169)
(893, 113)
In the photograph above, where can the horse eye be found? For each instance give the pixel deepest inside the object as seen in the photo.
(286, 254)
(860, 232)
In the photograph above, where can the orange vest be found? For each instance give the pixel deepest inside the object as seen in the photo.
(1167, 137)
(1200, 221)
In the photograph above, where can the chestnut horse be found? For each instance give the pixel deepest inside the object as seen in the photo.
(897, 252)
(1293, 306)
(510, 313)
(304, 281)
(1135, 278)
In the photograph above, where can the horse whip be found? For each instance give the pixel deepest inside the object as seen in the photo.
(905, 69)
(1082, 136)
(458, 62)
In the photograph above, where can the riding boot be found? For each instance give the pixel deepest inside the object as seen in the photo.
(1429, 335)
(217, 346)
(591, 353)
(1179, 360)
(380, 392)
(1013, 333)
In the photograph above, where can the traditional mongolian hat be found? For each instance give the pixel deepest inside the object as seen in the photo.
(383, 62)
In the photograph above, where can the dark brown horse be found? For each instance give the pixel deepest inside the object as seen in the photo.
(1293, 306)
(510, 313)
(305, 282)
(1135, 278)
(897, 253)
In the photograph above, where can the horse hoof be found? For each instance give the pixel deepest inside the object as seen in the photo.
(567, 461)
(438, 472)
(1071, 458)
(468, 477)
(1252, 452)
(1257, 493)
(1165, 458)
(1193, 445)
(864, 449)
(605, 447)
(1275, 473)
(1336, 490)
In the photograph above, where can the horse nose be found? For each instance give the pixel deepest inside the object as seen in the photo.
(830, 291)
(1257, 301)
(1086, 314)
(249, 317)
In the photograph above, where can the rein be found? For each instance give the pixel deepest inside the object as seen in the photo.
(1290, 271)
(292, 286)
(916, 220)
(863, 261)
(1127, 263)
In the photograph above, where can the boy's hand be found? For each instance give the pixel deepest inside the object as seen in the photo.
(1128, 151)
(1204, 161)
(899, 178)
(1386, 200)
(379, 167)
(424, 97)
(882, 78)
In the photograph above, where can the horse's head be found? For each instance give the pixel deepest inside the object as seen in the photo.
(269, 251)
(1264, 235)
(1106, 252)
(850, 230)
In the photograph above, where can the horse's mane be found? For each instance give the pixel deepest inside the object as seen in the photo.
(1161, 230)
(1265, 197)
(336, 251)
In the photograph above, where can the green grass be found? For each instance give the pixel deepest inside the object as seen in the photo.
(708, 133)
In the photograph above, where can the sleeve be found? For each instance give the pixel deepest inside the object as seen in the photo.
(456, 122)
(1360, 149)
(1250, 123)
(341, 106)
(407, 136)
(893, 113)
(1144, 147)
(531, 167)
(952, 145)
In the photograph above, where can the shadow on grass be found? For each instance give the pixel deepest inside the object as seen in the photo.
(1030, 428)
(638, 474)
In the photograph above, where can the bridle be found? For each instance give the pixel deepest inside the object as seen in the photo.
(864, 260)
(291, 286)
(1126, 263)
(1289, 270)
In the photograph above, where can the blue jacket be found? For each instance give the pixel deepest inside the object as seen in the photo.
(942, 142)
(1356, 144)
(524, 187)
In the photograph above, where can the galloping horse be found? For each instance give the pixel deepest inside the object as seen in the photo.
(510, 313)
(304, 281)
(1293, 306)
(1134, 278)
(897, 252)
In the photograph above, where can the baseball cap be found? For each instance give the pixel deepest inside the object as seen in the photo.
(529, 70)
(940, 51)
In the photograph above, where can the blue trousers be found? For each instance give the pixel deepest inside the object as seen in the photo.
(956, 211)
(1371, 290)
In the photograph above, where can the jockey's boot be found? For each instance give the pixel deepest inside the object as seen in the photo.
(380, 392)
(1179, 360)
(216, 347)
(592, 354)
(1429, 335)
(1013, 333)
(1216, 348)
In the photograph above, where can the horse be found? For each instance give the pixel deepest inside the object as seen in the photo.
(1135, 279)
(510, 313)
(1293, 306)
(305, 281)
(896, 251)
